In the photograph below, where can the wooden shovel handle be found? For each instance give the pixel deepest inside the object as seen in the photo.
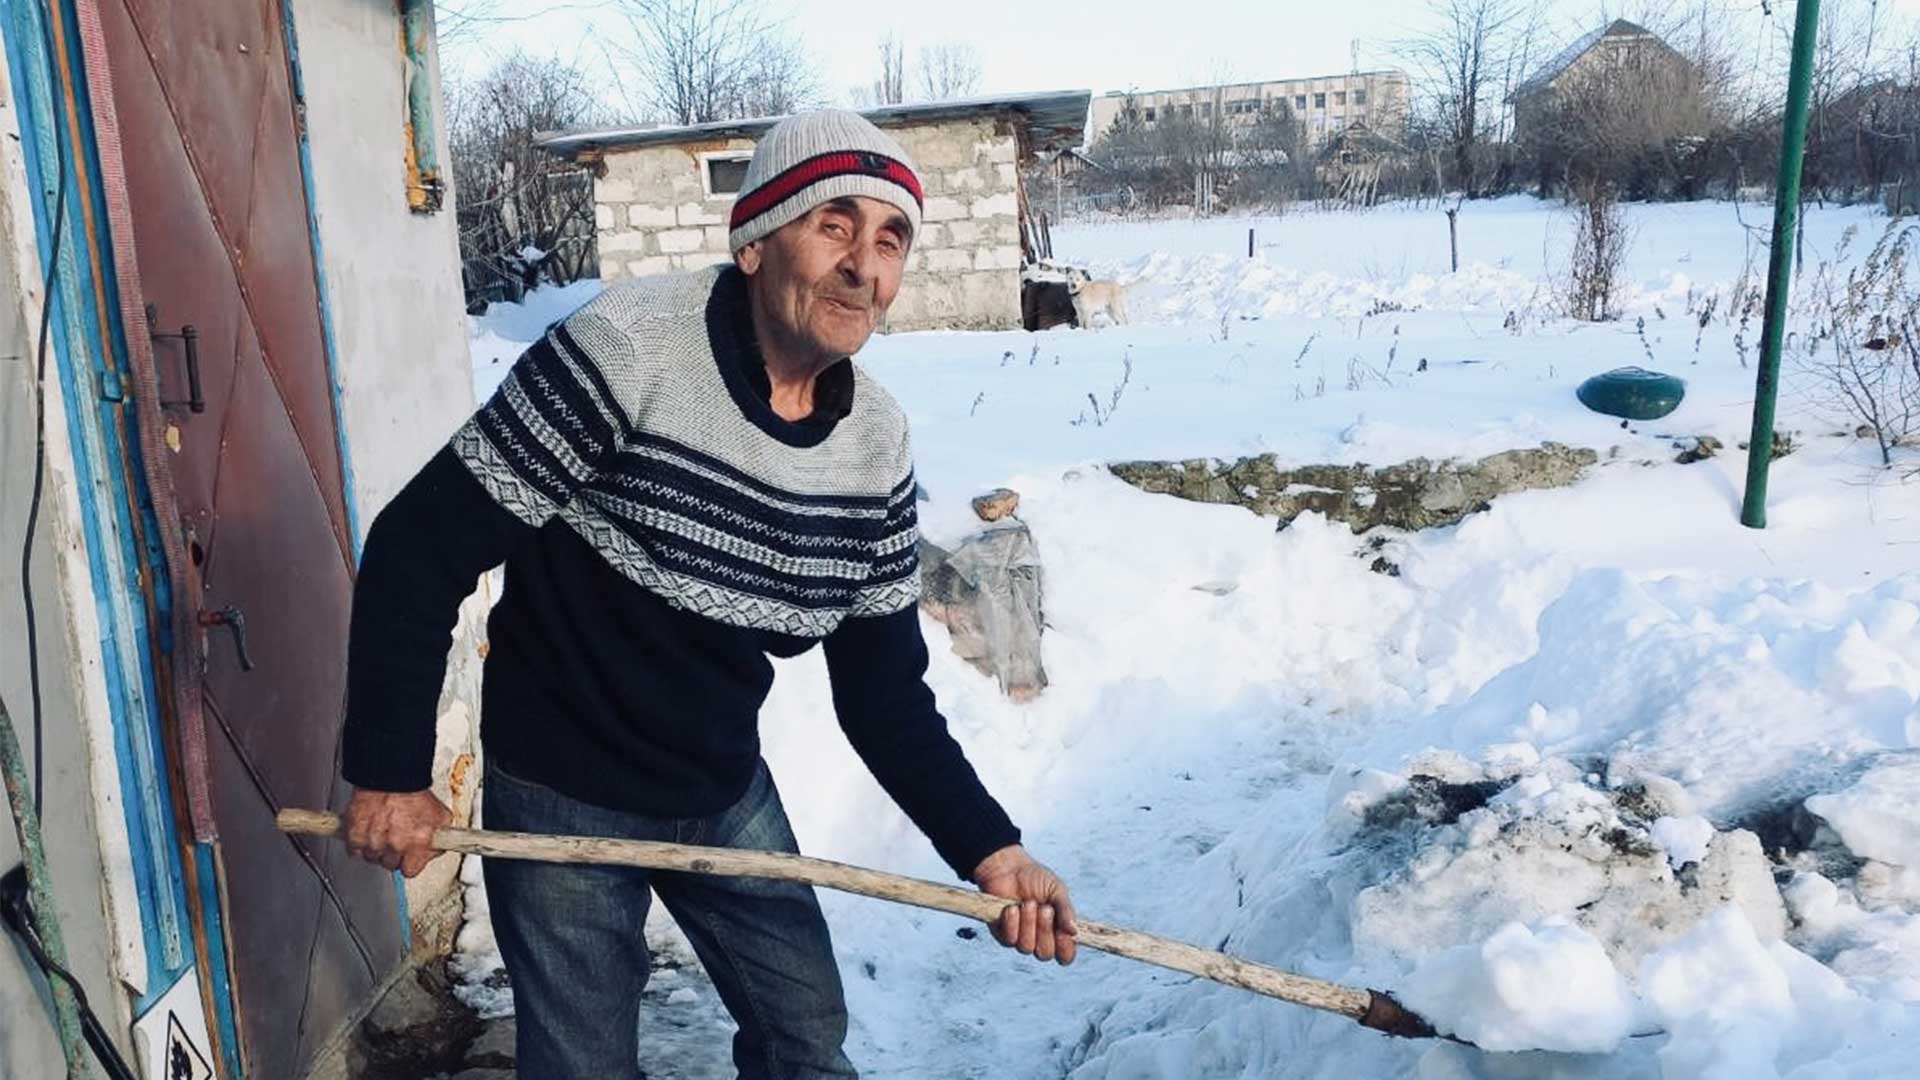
(1374, 1009)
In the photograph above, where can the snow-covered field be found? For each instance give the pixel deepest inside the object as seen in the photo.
(1622, 673)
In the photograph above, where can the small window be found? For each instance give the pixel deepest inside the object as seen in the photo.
(723, 174)
(1149, 114)
(1319, 101)
(1300, 101)
(1206, 108)
(1359, 97)
(1186, 110)
(1339, 97)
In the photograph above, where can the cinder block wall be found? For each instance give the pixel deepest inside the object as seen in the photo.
(964, 272)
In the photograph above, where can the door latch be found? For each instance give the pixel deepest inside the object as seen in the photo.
(231, 618)
(189, 339)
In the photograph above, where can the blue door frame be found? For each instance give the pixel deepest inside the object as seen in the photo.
(89, 357)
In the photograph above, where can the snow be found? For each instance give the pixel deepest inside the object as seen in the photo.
(1521, 989)
(1540, 783)
(1878, 816)
(1684, 839)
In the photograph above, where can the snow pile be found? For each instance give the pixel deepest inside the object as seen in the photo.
(1878, 816)
(496, 339)
(1522, 989)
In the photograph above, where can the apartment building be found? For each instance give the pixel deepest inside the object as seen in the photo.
(1323, 105)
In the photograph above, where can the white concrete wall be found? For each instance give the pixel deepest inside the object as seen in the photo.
(399, 323)
(1385, 109)
(72, 686)
(653, 216)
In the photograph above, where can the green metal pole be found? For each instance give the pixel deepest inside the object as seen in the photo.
(1786, 215)
(26, 825)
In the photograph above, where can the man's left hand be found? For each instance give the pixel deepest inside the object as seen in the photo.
(1041, 925)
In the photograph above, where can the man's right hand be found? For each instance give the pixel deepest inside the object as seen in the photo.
(395, 828)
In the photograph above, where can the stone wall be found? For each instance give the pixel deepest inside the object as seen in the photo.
(653, 216)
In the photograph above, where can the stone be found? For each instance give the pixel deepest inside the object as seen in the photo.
(679, 241)
(652, 264)
(416, 1028)
(1704, 447)
(997, 258)
(613, 189)
(624, 240)
(988, 592)
(716, 237)
(602, 217)
(996, 504)
(694, 213)
(1418, 494)
(962, 233)
(642, 216)
(1003, 149)
(943, 209)
(968, 179)
(948, 259)
(1783, 444)
(495, 1046)
(1001, 205)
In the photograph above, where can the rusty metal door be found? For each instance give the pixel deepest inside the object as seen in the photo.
(211, 144)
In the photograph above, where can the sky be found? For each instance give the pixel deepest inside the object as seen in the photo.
(1112, 45)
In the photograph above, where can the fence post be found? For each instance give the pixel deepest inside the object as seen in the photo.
(1786, 213)
(1249, 243)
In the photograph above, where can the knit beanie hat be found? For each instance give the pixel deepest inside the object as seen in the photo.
(815, 157)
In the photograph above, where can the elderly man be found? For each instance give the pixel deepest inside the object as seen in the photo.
(683, 477)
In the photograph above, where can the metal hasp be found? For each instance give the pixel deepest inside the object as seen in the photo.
(426, 191)
(1786, 215)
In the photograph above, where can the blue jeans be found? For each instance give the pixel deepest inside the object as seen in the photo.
(574, 942)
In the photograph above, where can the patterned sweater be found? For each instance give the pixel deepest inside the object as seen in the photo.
(663, 530)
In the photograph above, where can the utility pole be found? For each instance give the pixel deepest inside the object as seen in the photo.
(1786, 213)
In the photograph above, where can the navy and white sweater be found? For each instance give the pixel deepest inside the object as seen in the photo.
(663, 531)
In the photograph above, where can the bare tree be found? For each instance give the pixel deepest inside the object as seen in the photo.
(458, 22)
(948, 70)
(1861, 352)
(890, 88)
(697, 61)
(525, 216)
(1460, 64)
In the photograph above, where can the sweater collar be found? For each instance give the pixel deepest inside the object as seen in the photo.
(729, 319)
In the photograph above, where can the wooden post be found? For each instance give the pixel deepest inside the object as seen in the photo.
(1249, 243)
(1453, 235)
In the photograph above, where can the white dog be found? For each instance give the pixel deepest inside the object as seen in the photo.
(1090, 296)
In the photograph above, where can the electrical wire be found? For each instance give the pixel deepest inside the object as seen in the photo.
(40, 448)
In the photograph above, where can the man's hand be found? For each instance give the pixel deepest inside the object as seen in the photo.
(1041, 924)
(395, 829)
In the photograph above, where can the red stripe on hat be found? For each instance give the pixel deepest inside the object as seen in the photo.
(815, 169)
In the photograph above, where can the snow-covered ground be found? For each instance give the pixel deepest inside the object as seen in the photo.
(1507, 781)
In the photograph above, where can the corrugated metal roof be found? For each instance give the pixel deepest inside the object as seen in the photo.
(1565, 59)
(1055, 119)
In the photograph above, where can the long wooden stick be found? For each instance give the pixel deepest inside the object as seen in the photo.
(1372, 1008)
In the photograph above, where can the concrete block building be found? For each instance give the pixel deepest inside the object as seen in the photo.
(663, 196)
(1323, 105)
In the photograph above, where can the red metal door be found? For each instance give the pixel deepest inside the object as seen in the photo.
(210, 142)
